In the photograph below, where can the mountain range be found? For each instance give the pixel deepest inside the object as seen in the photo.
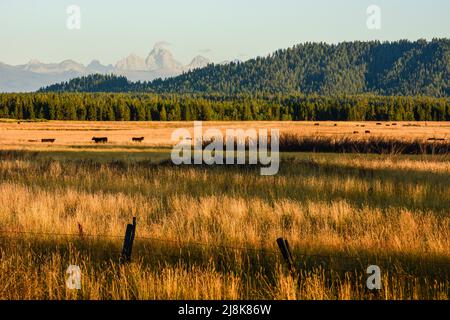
(159, 63)
(388, 68)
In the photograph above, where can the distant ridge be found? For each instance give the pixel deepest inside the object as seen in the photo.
(35, 74)
(387, 68)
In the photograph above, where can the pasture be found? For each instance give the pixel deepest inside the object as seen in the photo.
(15, 133)
(208, 232)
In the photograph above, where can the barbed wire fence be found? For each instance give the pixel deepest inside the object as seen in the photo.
(284, 252)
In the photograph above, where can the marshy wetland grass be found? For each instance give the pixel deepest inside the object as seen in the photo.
(208, 232)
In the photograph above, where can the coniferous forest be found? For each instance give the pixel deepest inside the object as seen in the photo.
(174, 107)
(400, 80)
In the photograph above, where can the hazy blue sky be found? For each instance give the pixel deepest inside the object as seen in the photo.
(218, 29)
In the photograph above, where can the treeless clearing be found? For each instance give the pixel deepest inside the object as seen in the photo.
(390, 210)
(13, 133)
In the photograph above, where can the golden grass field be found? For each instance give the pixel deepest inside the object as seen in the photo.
(209, 232)
(159, 133)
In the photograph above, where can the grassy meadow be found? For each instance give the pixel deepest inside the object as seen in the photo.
(209, 232)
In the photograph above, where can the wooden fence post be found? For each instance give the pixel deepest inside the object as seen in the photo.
(286, 252)
(128, 242)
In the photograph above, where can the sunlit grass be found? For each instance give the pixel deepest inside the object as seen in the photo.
(386, 210)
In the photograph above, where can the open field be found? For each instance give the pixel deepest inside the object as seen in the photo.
(67, 133)
(208, 232)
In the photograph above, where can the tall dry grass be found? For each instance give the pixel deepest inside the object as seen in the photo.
(340, 214)
(368, 144)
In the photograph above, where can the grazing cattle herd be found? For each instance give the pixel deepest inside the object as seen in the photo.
(95, 139)
(105, 139)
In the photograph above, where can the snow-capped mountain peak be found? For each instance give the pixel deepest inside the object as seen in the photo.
(96, 67)
(132, 62)
(198, 62)
(162, 58)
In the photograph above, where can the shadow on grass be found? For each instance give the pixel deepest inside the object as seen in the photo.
(251, 264)
(294, 171)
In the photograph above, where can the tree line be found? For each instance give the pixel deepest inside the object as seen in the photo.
(187, 107)
(385, 68)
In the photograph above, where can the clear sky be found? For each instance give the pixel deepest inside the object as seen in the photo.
(218, 29)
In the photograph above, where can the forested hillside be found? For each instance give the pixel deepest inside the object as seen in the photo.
(384, 68)
(173, 107)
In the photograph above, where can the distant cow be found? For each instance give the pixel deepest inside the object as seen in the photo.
(138, 139)
(48, 140)
(367, 131)
(100, 140)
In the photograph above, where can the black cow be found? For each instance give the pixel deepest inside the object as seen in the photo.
(48, 140)
(138, 139)
(100, 140)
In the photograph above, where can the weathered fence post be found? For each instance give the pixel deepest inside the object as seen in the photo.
(286, 252)
(128, 242)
